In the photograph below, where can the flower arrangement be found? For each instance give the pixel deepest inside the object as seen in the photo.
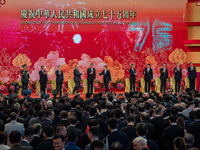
(153, 83)
(49, 87)
(3, 88)
(168, 84)
(97, 84)
(182, 84)
(120, 85)
(137, 84)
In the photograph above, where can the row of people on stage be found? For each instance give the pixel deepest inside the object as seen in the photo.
(91, 75)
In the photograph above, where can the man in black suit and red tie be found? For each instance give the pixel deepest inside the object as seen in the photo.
(148, 76)
(132, 77)
(77, 79)
(91, 75)
(106, 77)
(43, 79)
(163, 78)
(178, 77)
(192, 76)
(59, 79)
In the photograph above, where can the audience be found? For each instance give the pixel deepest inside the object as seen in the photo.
(129, 121)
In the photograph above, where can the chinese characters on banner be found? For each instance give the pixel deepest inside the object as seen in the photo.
(77, 14)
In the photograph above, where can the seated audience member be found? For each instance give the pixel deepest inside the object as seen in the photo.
(15, 138)
(2, 142)
(28, 137)
(48, 133)
(72, 139)
(58, 142)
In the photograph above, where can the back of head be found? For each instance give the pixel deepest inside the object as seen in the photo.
(37, 128)
(112, 123)
(94, 131)
(189, 139)
(116, 146)
(28, 132)
(72, 136)
(197, 114)
(13, 116)
(96, 144)
(179, 143)
(172, 118)
(2, 137)
(15, 137)
(141, 129)
(48, 131)
(73, 120)
(141, 141)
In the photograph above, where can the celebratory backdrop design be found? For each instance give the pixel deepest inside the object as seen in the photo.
(155, 35)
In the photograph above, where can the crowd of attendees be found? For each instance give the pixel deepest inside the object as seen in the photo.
(122, 121)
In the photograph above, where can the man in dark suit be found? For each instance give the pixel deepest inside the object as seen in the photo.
(77, 79)
(37, 128)
(132, 77)
(25, 77)
(148, 75)
(158, 123)
(163, 78)
(91, 75)
(49, 119)
(178, 76)
(115, 135)
(144, 117)
(28, 137)
(106, 77)
(141, 130)
(43, 79)
(194, 128)
(171, 132)
(192, 76)
(59, 79)
(130, 130)
(15, 138)
(48, 133)
(71, 127)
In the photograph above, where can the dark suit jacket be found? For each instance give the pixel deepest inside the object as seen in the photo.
(130, 131)
(106, 77)
(25, 77)
(76, 130)
(43, 77)
(117, 136)
(3, 117)
(36, 140)
(132, 74)
(77, 75)
(47, 122)
(194, 129)
(148, 76)
(150, 128)
(192, 73)
(178, 74)
(59, 77)
(91, 77)
(19, 147)
(24, 143)
(170, 133)
(64, 122)
(46, 145)
(163, 75)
